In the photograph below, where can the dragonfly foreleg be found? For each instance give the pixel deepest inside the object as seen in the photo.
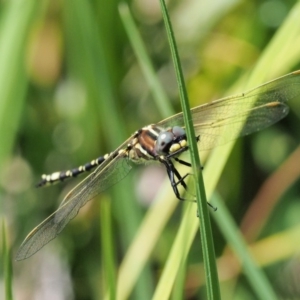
(175, 178)
(172, 173)
(185, 163)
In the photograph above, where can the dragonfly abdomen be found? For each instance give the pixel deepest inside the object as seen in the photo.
(62, 175)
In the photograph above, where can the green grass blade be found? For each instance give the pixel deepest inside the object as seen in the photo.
(159, 95)
(287, 36)
(178, 254)
(231, 232)
(146, 238)
(107, 247)
(93, 70)
(16, 21)
(213, 290)
(178, 290)
(7, 264)
(13, 82)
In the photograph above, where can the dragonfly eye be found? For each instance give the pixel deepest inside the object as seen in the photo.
(167, 139)
(178, 132)
(163, 142)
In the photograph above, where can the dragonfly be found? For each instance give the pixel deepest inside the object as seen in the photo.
(215, 123)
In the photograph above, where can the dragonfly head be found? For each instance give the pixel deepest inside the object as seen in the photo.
(170, 140)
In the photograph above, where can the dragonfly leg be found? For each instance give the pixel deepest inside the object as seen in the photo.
(176, 179)
(181, 179)
(173, 174)
(185, 163)
(211, 206)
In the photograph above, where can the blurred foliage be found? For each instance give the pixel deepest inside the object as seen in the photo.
(72, 89)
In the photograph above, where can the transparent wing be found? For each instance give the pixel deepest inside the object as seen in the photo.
(102, 178)
(226, 119)
(217, 123)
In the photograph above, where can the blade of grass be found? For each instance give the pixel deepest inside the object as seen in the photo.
(178, 253)
(93, 70)
(107, 247)
(213, 289)
(16, 19)
(6, 259)
(159, 95)
(235, 239)
(287, 35)
(178, 290)
(146, 238)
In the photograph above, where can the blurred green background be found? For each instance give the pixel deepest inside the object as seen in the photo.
(73, 88)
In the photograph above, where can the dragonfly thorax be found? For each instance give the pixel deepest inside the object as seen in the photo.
(152, 142)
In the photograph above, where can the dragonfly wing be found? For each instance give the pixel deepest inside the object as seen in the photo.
(98, 181)
(223, 130)
(223, 120)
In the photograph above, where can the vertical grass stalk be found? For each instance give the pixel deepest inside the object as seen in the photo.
(213, 290)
